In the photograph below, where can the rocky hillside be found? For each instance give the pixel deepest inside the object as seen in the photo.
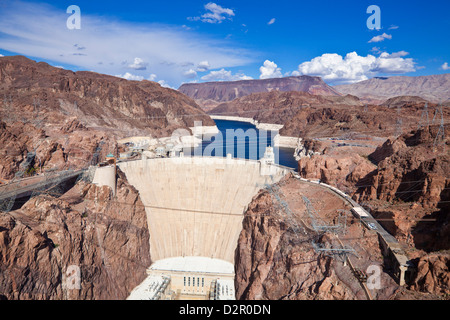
(413, 176)
(308, 116)
(208, 93)
(405, 184)
(86, 229)
(276, 259)
(435, 88)
(33, 91)
(71, 146)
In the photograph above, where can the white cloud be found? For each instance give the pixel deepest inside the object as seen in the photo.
(164, 84)
(130, 76)
(393, 27)
(216, 14)
(152, 77)
(380, 38)
(445, 66)
(166, 48)
(138, 64)
(191, 74)
(203, 66)
(1, 55)
(376, 50)
(272, 21)
(224, 75)
(398, 54)
(335, 69)
(269, 70)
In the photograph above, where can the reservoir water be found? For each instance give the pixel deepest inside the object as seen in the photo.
(242, 140)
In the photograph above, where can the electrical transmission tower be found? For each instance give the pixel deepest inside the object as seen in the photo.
(36, 105)
(435, 114)
(321, 227)
(441, 133)
(399, 123)
(275, 191)
(424, 115)
(7, 104)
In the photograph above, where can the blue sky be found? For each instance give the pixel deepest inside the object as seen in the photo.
(195, 41)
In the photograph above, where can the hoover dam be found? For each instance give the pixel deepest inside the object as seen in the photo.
(195, 207)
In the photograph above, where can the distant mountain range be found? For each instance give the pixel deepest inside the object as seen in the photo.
(210, 94)
(434, 88)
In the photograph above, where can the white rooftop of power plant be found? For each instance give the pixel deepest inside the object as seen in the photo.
(194, 264)
(149, 288)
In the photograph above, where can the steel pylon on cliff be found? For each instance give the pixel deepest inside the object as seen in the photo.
(440, 136)
(424, 115)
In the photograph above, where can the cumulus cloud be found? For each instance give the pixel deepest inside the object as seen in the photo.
(398, 54)
(380, 38)
(191, 74)
(138, 64)
(224, 75)
(214, 14)
(152, 77)
(269, 70)
(203, 66)
(1, 55)
(445, 66)
(272, 21)
(376, 50)
(130, 76)
(336, 69)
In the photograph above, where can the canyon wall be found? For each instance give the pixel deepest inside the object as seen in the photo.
(105, 238)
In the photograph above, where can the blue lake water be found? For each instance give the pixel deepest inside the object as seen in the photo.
(242, 140)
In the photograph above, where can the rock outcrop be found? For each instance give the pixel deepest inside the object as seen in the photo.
(272, 263)
(106, 239)
(314, 116)
(433, 274)
(410, 168)
(71, 147)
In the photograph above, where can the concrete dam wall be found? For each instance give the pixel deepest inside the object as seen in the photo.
(195, 205)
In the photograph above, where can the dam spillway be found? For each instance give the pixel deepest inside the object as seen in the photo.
(195, 205)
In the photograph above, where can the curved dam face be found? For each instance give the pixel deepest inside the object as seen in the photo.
(195, 205)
